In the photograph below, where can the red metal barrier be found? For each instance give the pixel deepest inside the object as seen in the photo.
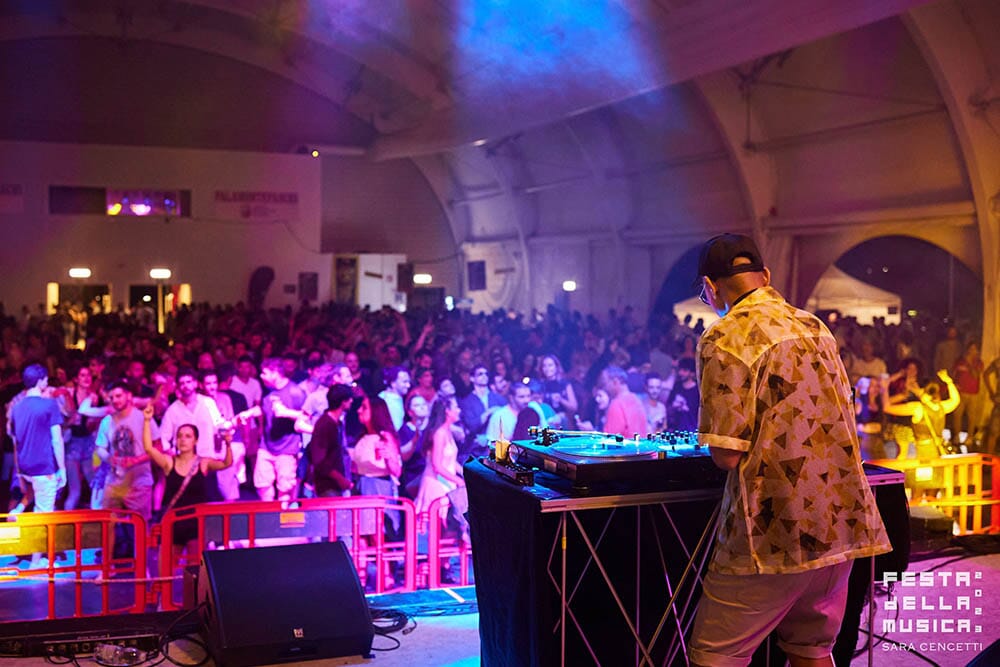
(73, 532)
(441, 547)
(956, 484)
(249, 524)
(228, 525)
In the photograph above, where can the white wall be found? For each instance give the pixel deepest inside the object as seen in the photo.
(215, 256)
(387, 207)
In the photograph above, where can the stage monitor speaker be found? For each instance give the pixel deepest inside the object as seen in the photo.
(282, 604)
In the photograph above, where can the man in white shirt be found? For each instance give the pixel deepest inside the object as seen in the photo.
(245, 382)
(203, 413)
(232, 477)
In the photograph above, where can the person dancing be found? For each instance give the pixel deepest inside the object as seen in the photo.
(188, 477)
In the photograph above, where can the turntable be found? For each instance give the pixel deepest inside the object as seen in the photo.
(668, 460)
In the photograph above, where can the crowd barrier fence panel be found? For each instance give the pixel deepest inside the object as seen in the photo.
(75, 536)
(441, 547)
(963, 486)
(252, 524)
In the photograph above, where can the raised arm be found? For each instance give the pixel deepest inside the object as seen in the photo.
(570, 404)
(949, 404)
(216, 464)
(165, 461)
(88, 409)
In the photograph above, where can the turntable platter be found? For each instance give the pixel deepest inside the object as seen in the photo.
(593, 450)
(594, 447)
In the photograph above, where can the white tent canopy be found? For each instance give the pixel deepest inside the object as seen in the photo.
(853, 298)
(835, 291)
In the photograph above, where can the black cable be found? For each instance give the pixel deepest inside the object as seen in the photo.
(387, 621)
(167, 641)
(397, 619)
(391, 648)
(937, 553)
(167, 638)
(66, 659)
(952, 560)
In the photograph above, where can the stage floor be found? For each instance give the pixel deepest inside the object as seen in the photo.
(445, 636)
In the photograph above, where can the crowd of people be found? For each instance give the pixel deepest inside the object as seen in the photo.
(232, 403)
(332, 400)
(921, 396)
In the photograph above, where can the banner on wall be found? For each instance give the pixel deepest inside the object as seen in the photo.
(11, 198)
(256, 205)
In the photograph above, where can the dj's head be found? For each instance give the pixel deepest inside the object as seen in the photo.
(730, 265)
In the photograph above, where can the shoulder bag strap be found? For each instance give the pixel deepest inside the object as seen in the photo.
(192, 471)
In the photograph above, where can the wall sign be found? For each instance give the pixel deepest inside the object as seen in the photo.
(256, 205)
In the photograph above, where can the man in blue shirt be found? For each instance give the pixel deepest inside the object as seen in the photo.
(37, 429)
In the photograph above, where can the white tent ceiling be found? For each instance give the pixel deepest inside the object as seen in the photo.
(854, 298)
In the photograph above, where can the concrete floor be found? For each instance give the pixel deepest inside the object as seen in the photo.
(948, 646)
(453, 641)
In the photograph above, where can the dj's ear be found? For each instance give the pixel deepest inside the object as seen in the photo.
(767, 276)
(711, 290)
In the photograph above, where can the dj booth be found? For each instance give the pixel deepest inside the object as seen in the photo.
(570, 579)
(599, 560)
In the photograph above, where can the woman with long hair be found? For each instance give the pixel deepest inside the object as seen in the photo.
(557, 391)
(188, 476)
(377, 458)
(442, 473)
(411, 438)
(596, 412)
(83, 403)
(904, 387)
(378, 463)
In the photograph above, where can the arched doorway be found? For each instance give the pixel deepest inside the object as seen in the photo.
(935, 287)
(678, 285)
(931, 281)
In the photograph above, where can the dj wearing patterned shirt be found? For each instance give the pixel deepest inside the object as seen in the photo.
(776, 412)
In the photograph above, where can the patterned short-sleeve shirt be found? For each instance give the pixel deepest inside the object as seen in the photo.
(773, 386)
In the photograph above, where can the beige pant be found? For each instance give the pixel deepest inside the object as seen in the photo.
(737, 613)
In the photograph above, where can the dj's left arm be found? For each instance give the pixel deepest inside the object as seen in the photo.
(727, 406)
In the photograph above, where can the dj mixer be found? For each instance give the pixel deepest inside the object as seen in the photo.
(669, 459)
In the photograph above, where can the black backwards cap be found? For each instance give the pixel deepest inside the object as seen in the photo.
(719, 253)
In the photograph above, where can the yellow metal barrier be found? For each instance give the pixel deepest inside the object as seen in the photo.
(963, 486)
